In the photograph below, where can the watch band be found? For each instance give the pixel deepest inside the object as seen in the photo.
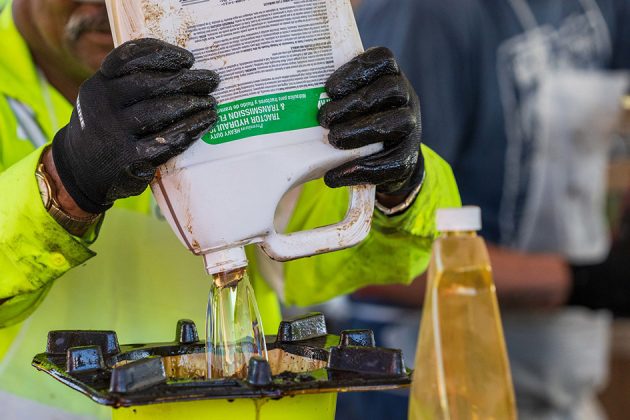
(387, 211)
(77, 226)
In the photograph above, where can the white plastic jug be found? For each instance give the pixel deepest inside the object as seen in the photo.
(273, 58)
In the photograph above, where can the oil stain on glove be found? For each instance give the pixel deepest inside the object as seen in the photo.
(143, 107)
(373, 102)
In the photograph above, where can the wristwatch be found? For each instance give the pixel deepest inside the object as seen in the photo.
(76, 226)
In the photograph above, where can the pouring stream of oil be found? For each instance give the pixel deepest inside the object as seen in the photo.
(234, 330)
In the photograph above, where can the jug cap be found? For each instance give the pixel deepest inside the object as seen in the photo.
(460, 219)
(225, 260)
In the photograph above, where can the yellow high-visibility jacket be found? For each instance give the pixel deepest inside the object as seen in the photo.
(143, 280)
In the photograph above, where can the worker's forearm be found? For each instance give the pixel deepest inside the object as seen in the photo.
(18, 308)
(530, 280)
(64, 199)
(390, 200)
(411, 296)
(522, 281)
(396, 251)
(34, 249)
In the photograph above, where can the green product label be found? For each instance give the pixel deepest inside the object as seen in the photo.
(267, 114)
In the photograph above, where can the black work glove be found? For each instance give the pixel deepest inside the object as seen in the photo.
(373, 102)
(143, 107)
(606, 285)
(602, 286)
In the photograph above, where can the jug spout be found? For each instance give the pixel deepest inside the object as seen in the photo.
(225, 260)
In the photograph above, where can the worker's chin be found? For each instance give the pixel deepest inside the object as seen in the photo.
(92, 47)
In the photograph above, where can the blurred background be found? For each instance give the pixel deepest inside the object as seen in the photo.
(528, 102)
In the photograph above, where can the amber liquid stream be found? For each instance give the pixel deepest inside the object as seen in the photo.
(234, 330)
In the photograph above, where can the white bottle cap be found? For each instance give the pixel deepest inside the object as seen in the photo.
(464, 219)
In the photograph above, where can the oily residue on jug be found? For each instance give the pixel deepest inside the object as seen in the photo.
(179, 29)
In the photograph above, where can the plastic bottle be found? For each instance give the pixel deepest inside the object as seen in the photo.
(461, 366)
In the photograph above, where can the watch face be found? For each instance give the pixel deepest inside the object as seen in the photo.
(44, 189)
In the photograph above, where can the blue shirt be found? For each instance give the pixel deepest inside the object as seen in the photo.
(475, 74)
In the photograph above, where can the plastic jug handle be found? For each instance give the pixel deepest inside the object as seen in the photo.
(349, 232)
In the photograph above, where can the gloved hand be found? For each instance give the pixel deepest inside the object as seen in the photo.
(373, 102)
(605, 285)
(143, 107)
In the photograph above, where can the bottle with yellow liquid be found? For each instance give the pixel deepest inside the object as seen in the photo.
(461, 367)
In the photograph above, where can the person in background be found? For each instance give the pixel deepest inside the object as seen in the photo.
(520, 96)
(112, 118)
